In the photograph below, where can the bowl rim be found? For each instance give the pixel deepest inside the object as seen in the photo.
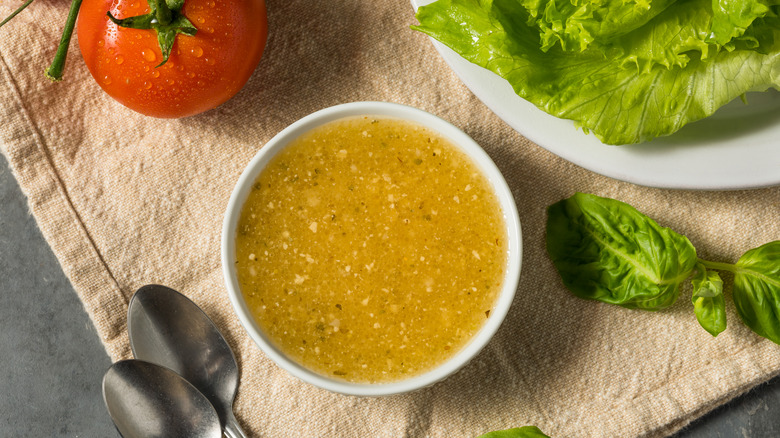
(390, 110)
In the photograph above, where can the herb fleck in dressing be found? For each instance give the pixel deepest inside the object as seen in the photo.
(371, 250)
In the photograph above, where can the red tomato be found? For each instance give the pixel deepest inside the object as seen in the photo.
(202, 72)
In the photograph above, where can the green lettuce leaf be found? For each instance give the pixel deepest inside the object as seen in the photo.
(575, 24)
(648, 83)
(760, 36)
(672, 40)
(732, 18)
(608, 251)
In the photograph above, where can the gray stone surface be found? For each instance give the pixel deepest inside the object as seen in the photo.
(51, 359)
(52, 362)
(754, 415)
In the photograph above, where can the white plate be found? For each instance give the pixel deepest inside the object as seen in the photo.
(736, 148)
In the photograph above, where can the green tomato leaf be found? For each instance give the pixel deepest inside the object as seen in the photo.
(518, 432)
(757, 290)
(708, 303)
(166, 35)
(165, 38)
(137, 22)
(166, 18)
(183, 25)
(608, 251)
(175, 5)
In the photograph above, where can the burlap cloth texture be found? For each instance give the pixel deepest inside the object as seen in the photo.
(125, 200)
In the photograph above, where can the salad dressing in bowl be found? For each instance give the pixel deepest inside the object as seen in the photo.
(371, 249)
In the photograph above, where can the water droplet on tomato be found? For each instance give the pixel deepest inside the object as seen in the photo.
(210, 61)
(196, 51)
(134, 5)
(149, 55)
(146, 68)
(212, 4)
(201, 83)
(147, 85)
(209, 30)
(155, 74)
(101, 43)
(106, 80)
(175, 90)
(111, 50)
(119, 59)
(138, 36)
(201, 20)
(190, 74)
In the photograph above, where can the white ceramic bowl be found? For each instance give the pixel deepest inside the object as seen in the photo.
(459, 139)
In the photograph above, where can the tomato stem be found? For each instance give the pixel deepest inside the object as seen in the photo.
(164, 16)
(167, 20)
(54, 72)
(14, 13)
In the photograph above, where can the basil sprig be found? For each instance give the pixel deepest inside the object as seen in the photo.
(608, 251)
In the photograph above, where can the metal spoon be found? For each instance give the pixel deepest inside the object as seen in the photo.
(149, 401)
(168, 329)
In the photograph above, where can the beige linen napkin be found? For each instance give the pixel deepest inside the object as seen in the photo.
(125, 200)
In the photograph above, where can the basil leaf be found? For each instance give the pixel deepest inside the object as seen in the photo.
(608, 251)
(518, 432)
(757, 290)
(708, 303)
(706, 284)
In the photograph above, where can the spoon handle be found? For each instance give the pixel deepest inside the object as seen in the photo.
(232, 428)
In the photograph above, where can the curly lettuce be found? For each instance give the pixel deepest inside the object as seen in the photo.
(575, 24)
(731, 19)
(631, 81)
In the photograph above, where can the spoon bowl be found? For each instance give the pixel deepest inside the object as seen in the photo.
(146, 400)
(168, 329)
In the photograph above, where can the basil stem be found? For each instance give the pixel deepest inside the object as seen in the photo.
(606, 250)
